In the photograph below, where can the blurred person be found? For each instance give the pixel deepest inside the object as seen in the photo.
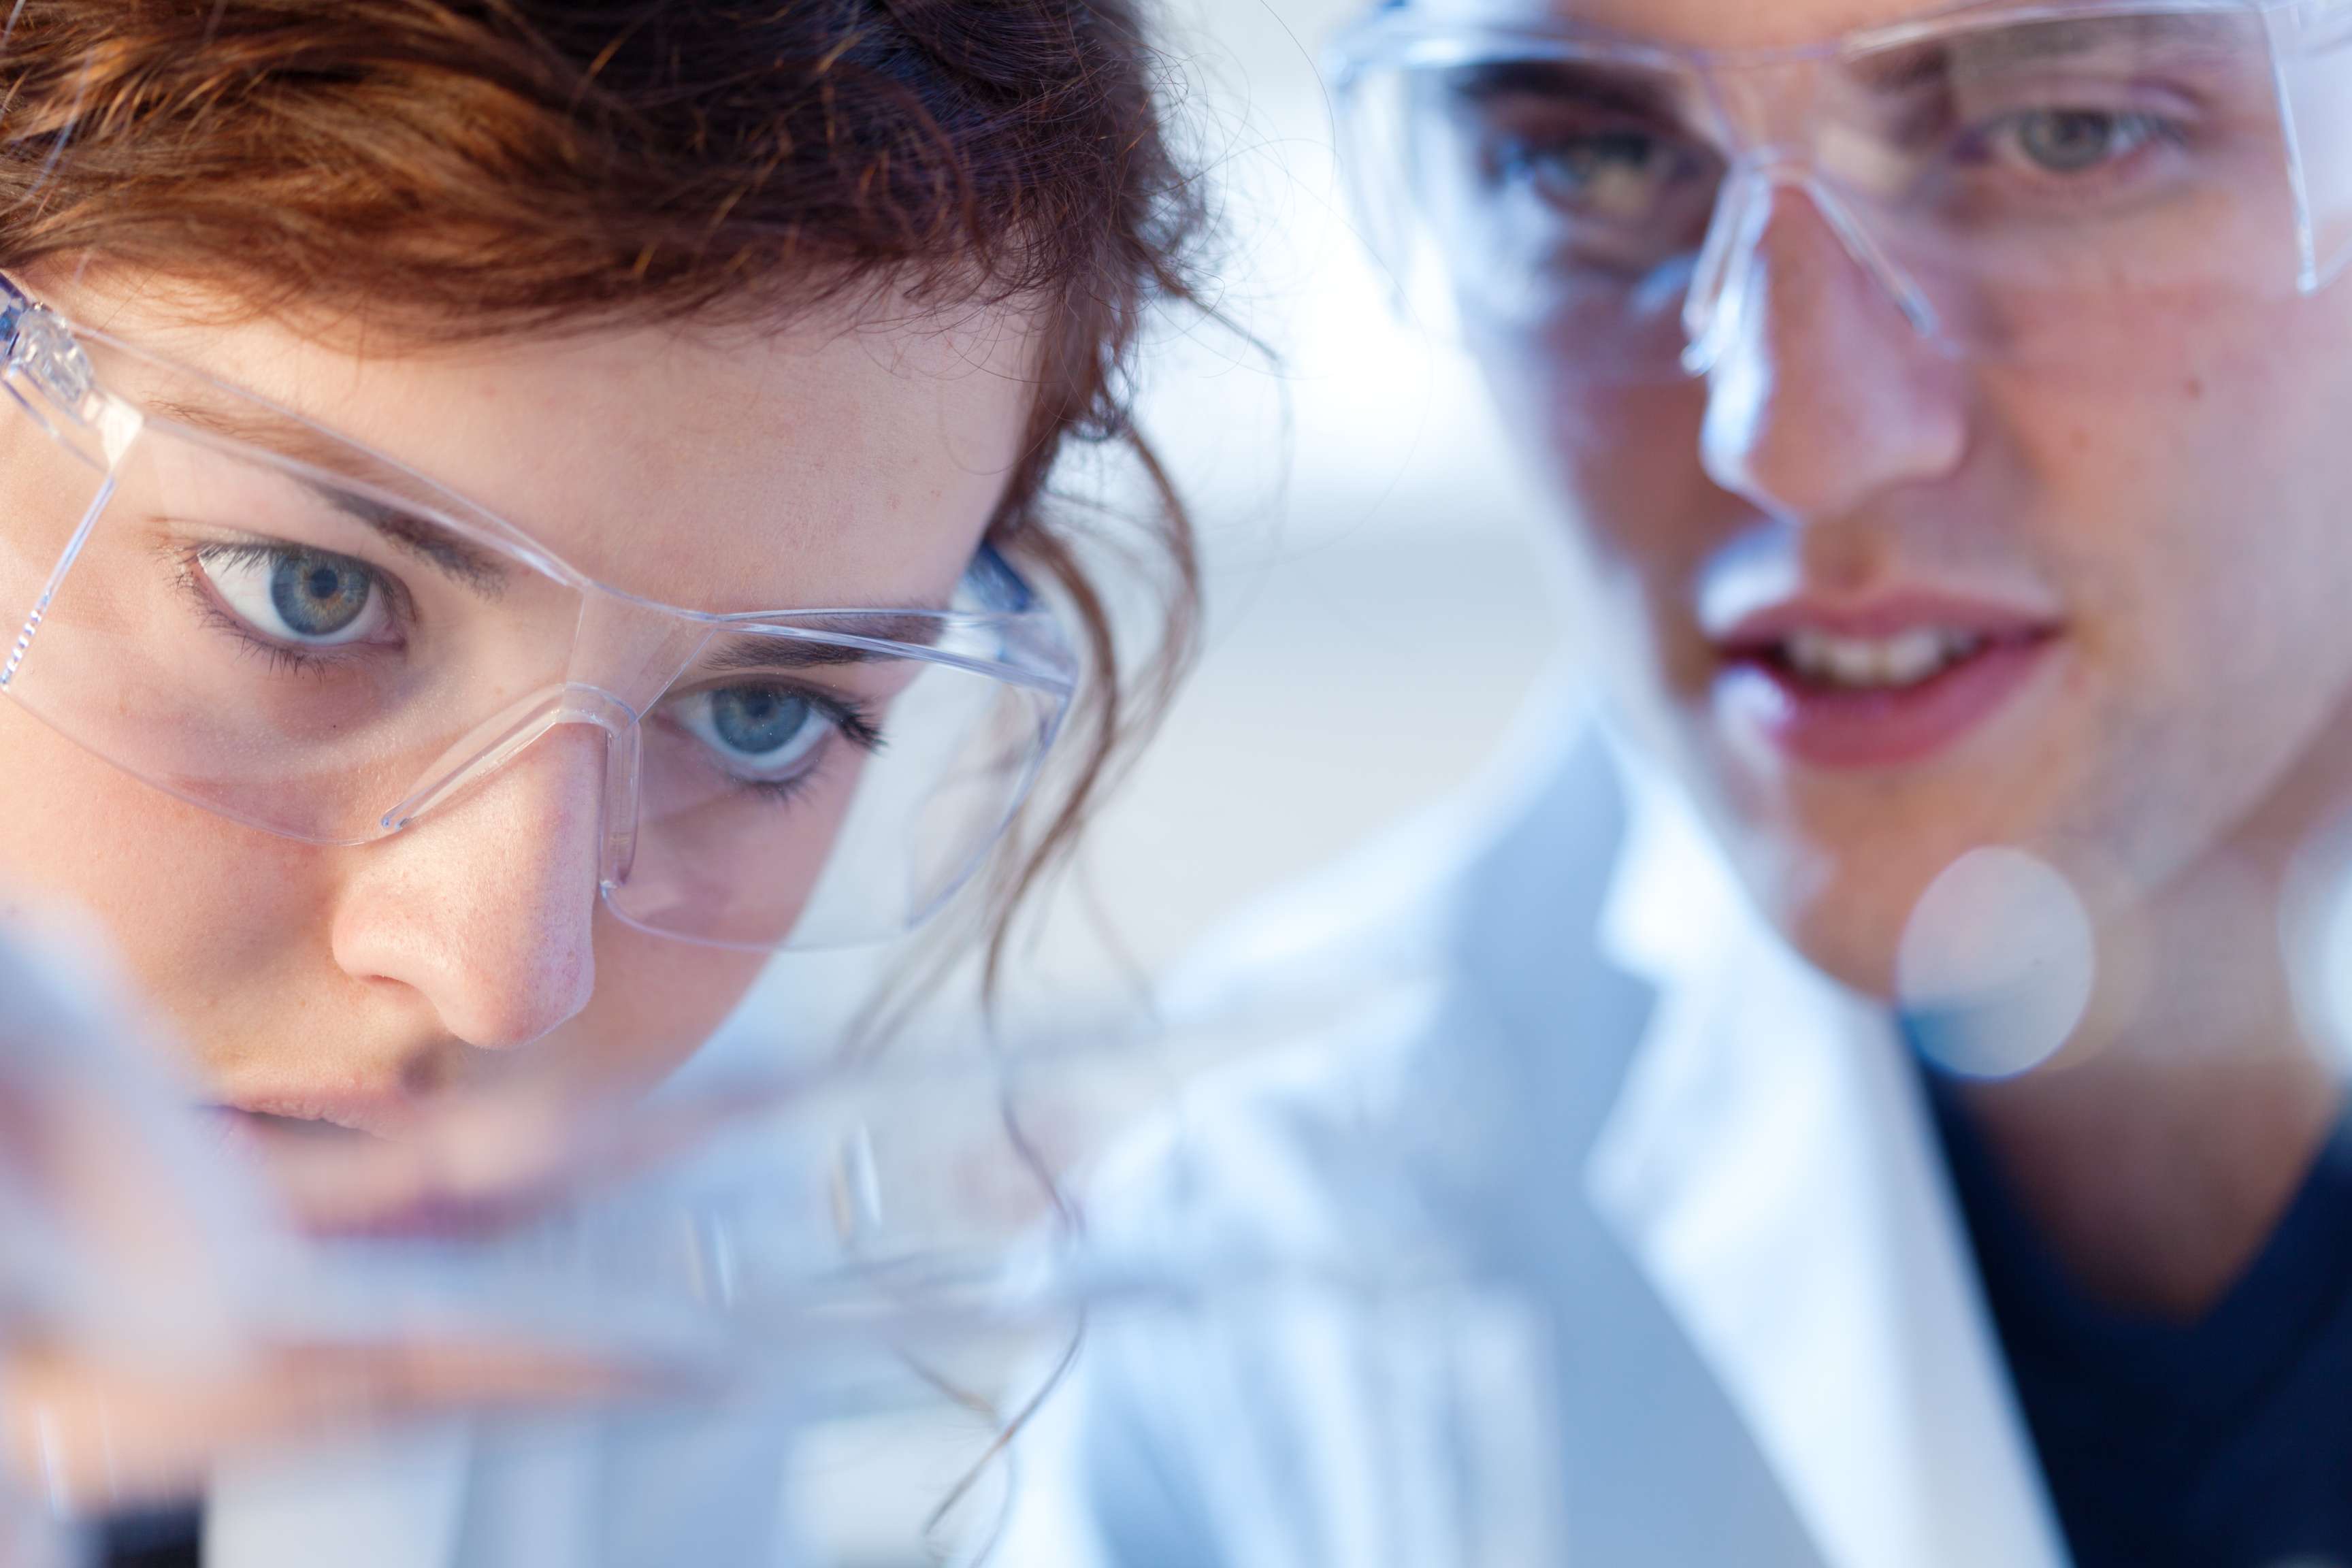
(510, 514)
(1882, 1040)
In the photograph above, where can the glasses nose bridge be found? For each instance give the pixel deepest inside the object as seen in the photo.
(1765, 106)
(493, 745)
(1778, 114)
(623, 656)
(630, 651)
(1771, 123)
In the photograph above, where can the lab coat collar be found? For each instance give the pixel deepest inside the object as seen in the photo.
(1770, 1165)
(1674, 906)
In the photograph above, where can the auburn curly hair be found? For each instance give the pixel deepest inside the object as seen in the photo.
(463, 169)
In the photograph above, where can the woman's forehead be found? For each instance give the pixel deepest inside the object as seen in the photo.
(1707, 24)
(835, 464)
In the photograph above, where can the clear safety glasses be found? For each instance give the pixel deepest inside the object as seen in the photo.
(268, 620)
(2019, 179)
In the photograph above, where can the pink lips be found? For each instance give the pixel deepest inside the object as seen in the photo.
(254, 1124)
(1827, 725)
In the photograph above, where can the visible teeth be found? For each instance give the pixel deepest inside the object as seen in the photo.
(1912, 658)
(1906, 659)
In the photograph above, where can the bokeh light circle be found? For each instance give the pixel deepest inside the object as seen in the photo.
(1996, 966)
(2315, 936)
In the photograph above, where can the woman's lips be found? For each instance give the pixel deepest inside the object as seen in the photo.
(252, 1125)
(1884, 685)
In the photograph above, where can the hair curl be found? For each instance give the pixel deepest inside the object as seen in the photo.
(462, 169)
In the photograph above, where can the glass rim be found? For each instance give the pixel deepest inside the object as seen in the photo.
(1770, 137)
(99, 402)
(1404, 36)
(1004, 597)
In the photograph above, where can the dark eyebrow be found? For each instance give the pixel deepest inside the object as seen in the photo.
(467, 563)
(757, 654)
(483, 571)
(1621, 92)
(1908, 67)
(2088, 34)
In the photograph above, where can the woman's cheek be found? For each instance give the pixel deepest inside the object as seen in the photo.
(656, 1001)
(81, 834)
(216, 928)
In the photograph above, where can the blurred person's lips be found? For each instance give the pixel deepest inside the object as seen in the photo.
(377, 1089)
(1882, 681)
(262, 1117)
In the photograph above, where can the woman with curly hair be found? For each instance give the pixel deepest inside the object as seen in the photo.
(513, 511)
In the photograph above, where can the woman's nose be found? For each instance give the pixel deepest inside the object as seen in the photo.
(487, 907)
(1821, 394)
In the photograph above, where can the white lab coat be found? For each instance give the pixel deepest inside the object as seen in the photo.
(1557, 1054)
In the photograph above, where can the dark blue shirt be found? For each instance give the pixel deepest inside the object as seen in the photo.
(2225, 1443)
(164, 1538)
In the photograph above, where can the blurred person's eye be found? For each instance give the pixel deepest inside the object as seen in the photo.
(2076, 141)
(1620, 174)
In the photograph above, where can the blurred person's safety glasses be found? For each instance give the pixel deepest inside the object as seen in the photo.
(2022, 182)
(272, 621)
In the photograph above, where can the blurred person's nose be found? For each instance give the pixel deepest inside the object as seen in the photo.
(1821, 394)
(487, 907)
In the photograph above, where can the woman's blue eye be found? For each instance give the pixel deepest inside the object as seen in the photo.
(320, 596)
(760, 732)
(756, 721)
(294, 596)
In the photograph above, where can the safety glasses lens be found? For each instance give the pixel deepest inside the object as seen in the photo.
(308, 651)
(2018, 185)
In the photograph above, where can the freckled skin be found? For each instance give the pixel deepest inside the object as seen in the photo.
(726, 472)
(2182, 496)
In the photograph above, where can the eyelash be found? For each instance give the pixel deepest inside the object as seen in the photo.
(283, 658)
(851, 720)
